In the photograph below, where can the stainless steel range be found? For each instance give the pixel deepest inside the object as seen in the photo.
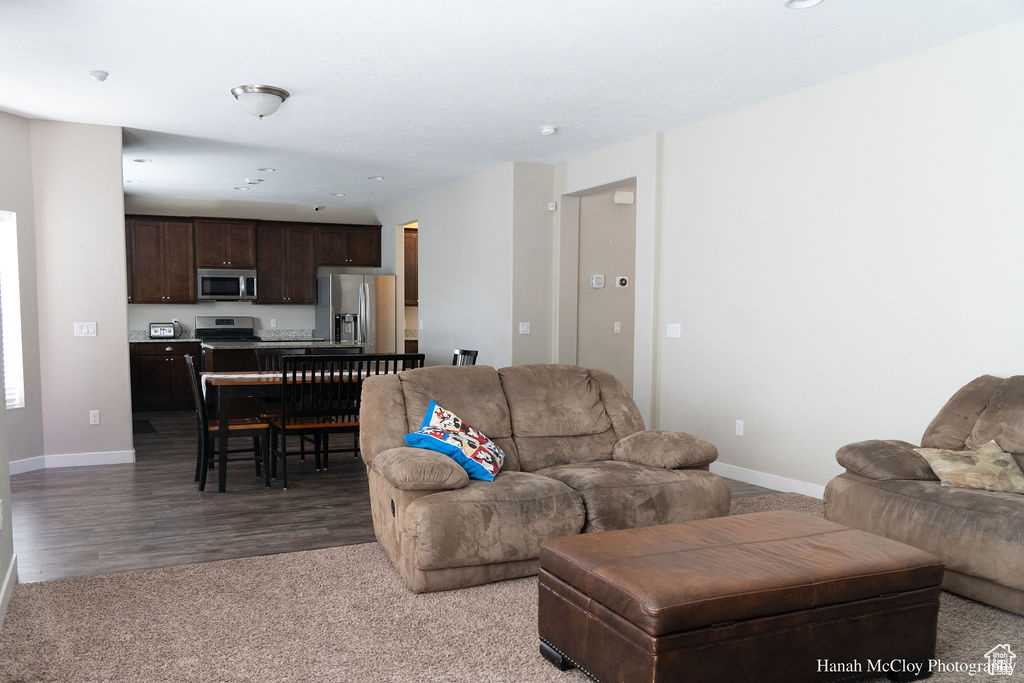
(225, 328)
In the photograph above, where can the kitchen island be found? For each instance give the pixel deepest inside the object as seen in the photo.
(227, 356)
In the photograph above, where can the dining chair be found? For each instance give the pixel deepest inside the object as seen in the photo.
(464, 357)
(258, 430)
(270, 358)
(319, 397)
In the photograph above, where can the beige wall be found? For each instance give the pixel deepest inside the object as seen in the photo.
(79, 229)
(25, 424)
(465, 273)
(845, 257)
(607, 246)
(533, 245)
(638, 160)
(8, 565)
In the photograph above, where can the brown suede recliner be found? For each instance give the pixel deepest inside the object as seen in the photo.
(890, 490)
(577, 459)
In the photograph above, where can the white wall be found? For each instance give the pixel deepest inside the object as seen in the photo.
(25, 424)
(465, 265)
(8, 562)
(79, 230)
(845, 257)
(533, 245)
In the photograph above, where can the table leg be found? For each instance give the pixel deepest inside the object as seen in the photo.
(223, 417)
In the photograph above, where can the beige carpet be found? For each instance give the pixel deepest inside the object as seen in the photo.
(338, 614)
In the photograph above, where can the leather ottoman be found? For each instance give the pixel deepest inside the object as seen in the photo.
(769, 596)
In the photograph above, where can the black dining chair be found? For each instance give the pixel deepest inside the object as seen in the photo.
(270, 358)
(464, 357)
(258, 430)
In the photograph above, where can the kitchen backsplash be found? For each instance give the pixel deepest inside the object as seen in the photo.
(278, 334)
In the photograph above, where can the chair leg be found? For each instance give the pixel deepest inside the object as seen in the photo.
(257, 454)
(284, 462)
(316, 450)
(265, 452)
(199, 451)
(207, 457)
(355, 446)
(326, 450)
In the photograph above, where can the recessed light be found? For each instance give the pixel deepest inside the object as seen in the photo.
(802, 4)
(133, 181)
(143, 161)
(98, 75)
(338, 194)
(375, 177)
(267, 169)
(253, 181)
(548, 130)
(243, 188)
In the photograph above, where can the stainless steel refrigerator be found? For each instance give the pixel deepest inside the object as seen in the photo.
(358, 309)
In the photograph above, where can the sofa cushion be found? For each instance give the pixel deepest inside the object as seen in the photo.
(1002, 420)
(987, 468)
(411, 469)
(443, 431)
(625, 495)
(888, 459)
(486, 522)
(671, 450)
(551, 404)
(953, 425)
(977, 533)
(472, 391)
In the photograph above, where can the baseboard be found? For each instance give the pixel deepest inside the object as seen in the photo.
(7, 588)
(771, 481)
(41, 462)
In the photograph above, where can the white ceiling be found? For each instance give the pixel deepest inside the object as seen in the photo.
(425, 92)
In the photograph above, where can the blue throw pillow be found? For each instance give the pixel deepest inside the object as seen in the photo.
(444, 432)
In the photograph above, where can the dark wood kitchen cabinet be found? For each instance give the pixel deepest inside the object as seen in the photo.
(225, 243)
(160, 376)
(412, 269)
(348, 245)
(285, 263)
(161, 260)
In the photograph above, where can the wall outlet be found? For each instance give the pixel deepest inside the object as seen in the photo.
(85, 329)
(273, 323)
(617, 327)
(524, 328)
(674, 330)
(739, 427)
(94, 417)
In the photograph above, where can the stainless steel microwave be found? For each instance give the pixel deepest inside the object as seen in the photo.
(222, 284)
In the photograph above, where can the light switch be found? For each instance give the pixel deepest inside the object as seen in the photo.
(617, 327)
(675, 330)
(273, 323)
(85, 329)
(524, 328)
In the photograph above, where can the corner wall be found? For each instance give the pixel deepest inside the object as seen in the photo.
(845, 257)
(79, 230)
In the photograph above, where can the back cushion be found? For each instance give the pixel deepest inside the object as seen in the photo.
(1003, 418)
(473, 392)
(952, 426)
(557, 415)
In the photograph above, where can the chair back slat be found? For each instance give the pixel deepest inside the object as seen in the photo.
(197, 392)
(269, 358)
(464, 357)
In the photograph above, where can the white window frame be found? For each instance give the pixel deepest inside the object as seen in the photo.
(10, 313)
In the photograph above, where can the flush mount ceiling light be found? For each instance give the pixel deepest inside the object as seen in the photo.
(548, 130)
(242, 188)
(802, 4)
(267, 169)
(375, 177)
(143, 161)
(98, 75)
(259, 100)
(338, 194)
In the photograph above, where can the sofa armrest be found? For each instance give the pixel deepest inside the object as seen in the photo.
(888, 459)
(671, 450)
(418, 469)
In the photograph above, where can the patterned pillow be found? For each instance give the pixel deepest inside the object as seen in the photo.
(444, 432)
(986, 468)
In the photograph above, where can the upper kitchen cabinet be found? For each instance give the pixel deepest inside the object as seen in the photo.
(225, 243)
(348, 245)
(160, 260)
(285, 263)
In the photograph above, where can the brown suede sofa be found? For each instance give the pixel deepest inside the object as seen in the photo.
(578, 459)
(890, 490)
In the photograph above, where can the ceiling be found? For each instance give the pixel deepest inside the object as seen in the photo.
(422, 93)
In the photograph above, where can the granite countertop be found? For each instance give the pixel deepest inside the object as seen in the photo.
(289, 344)
(164, 340)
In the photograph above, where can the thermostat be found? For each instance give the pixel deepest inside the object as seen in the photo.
(597, 281)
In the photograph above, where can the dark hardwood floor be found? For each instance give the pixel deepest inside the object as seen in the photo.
(95, 520)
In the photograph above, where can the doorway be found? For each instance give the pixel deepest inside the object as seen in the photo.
(410, 250)
(607, 264)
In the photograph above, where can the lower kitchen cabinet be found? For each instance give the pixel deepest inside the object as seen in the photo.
(160, 376)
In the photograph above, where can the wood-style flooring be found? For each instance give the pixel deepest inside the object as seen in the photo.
(80, 521)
